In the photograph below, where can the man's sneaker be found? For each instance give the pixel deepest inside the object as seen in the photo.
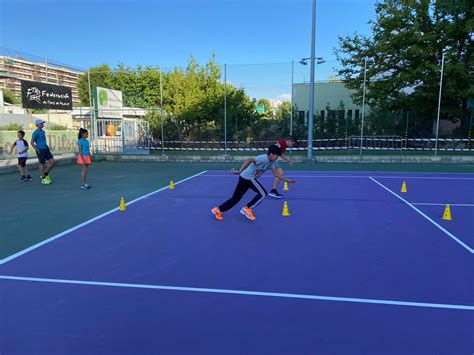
(218, 214)
(247, 212)
(29, 178)
(85, 187)
(24, 179)
(275, 194)
(46, 181)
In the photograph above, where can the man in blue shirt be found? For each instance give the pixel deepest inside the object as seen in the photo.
(39, 144)
(250, 171)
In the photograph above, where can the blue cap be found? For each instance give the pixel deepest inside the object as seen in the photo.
(37, 122)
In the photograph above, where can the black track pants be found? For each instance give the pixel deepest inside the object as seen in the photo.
(242, 187)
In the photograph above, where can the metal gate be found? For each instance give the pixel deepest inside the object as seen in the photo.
(127, 136)
(136, 136)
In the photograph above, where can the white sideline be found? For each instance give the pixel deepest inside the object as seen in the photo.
(449, 234)
(442, 204)
(89, 221)
(288, 174)
(243, 293)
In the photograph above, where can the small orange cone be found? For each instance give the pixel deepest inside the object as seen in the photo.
(447, 213)
(285, 187)
(404, 187)
(171, 185)
(122, 207)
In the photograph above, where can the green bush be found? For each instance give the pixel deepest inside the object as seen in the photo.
(9, 97)
(57, 127)
(11, 127)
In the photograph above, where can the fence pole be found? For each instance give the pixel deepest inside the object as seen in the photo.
(225, 109)
(91, 112)
(363, 106)
(406, 130)
(291, 111)
(47, 81)
(439, 104)
(469, 136)
(161, 115)
(311, 84)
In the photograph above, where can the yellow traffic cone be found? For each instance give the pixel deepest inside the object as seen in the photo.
(122, 207)
(404, 187)
(285, 187)
(447, 213)
(285, 212)
(171, 185)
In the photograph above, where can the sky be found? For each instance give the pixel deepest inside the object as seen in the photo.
(257, 39)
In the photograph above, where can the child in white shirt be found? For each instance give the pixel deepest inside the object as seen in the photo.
(22, 148)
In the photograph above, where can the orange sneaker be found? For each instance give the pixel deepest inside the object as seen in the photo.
(218, 214)
(247, 212)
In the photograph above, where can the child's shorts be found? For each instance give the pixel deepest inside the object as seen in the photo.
(87, 160)
(22, 161)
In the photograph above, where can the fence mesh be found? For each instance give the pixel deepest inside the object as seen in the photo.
(246, 107)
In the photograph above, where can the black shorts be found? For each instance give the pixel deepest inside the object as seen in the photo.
(44, 155)
(22, 161)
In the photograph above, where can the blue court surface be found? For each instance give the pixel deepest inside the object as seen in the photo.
(358, 268)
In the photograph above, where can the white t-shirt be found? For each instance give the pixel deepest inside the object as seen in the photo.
(21, 145)
(261, 164)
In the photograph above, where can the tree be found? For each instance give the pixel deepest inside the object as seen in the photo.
(9, 97)
(193, 99)
(403, 59)
(99, 76)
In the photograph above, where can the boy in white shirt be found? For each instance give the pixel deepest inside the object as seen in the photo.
(22, 148)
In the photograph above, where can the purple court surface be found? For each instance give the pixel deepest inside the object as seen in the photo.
(358, 268)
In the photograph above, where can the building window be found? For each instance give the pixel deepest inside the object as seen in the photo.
(322, 114)
(357, 114)
(301, 116)
(349, 114)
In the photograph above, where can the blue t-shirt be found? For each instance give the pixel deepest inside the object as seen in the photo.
(40, 139)
(262, 163)
(84, 143)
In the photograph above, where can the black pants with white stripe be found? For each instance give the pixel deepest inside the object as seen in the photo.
(240, 190)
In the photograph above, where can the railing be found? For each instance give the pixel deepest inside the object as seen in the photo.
(374, 143)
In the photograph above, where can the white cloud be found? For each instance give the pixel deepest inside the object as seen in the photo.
(277, 101)
(284, 97)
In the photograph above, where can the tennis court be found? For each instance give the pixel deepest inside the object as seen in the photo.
(358, 267)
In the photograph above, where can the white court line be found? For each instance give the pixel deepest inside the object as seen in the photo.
(243, 293)
(442, 204)
(89, 221)
(368, 172)
(449, 234)
(351, 176)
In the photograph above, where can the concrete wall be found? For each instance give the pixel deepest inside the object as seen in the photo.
(60, 142)
(297, 159)
(63, 119)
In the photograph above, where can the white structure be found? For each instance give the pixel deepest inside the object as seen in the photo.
(325, 94)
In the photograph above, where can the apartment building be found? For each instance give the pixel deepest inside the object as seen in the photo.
(13, 70)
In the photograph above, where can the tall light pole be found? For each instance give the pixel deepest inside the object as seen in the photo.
(439, 104)
(311, 84)
(363, 106)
